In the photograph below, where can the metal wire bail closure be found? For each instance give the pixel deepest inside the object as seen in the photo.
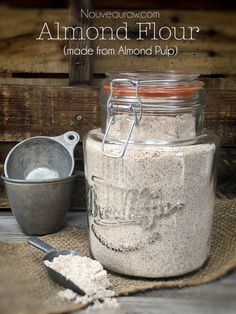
(112, 119)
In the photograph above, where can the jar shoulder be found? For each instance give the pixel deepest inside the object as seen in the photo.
(207, 143)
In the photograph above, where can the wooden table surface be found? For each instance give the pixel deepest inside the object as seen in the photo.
(214, 298)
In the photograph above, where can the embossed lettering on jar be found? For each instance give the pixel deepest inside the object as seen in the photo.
(150, 173)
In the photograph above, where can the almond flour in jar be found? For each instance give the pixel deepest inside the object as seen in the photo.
(150, 178)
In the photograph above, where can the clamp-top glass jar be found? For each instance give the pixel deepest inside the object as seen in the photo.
(150, 173)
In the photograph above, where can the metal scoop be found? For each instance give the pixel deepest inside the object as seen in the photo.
(51, 253)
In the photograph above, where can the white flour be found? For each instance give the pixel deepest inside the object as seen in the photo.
(151, 212)
(89, 275)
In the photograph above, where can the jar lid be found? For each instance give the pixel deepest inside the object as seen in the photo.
(155, 85)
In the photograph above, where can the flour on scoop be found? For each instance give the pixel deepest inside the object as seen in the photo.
(89, 275)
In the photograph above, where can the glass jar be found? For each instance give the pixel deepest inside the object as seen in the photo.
(150, 173)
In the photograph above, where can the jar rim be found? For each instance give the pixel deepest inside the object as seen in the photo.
(168, 75)
(153, 92)
(153, 84)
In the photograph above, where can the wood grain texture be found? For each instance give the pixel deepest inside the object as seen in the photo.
(139, 4)
(212, 52)
(226, 173)
(220, 83)
(29, 110)
(19, 49)
(80, 67)
(162, 4)
(165, 305)
(4, 204)
(212, 83)
(35, 81)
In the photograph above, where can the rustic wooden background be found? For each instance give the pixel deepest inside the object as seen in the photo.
(44, 92)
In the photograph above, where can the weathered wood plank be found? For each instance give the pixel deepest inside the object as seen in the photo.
(220, 83)
(156, 305)
(212, 52)
(35, 81)
(164, 305)
(5, 147)
(212, 83)
(10, 230)
(226, 172)
(18, 43)
(161, 4)
(220, 115)
(50, 110)
(80, 67)
(4, 204)
(46, 110)
(138, 4)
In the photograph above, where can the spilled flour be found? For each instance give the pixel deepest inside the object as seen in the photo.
(89, 275)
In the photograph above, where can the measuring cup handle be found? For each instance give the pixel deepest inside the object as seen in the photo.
(40, 244)
(69, 140)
